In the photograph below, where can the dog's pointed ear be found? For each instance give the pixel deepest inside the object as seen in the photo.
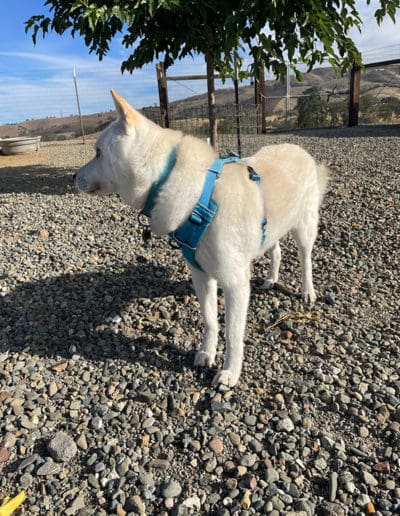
(124, 109)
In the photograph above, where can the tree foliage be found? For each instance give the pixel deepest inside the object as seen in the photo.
(311, 109)
(274, 31)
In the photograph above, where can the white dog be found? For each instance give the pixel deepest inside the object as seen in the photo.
(132, 155)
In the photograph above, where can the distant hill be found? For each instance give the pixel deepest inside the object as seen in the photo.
(377, 83)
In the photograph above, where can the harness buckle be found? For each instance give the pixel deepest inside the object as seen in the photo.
(196, 218)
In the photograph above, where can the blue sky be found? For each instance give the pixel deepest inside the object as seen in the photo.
(37, 81)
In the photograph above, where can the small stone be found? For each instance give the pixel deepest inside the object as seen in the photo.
(93, 481)
(123, 467)
(369, 479)
(390, 484)
(245, 501)
(216, 445)
(241, 471)
(382, 467)
(333, 485)
(4, 454)
(363, 500)
(82, 442)
(44, 234)
(96, 423)
(171, 489)
(330, 298)
(135, 504)
(62, 447)
(271, 475)
(192, 503)
(250, 420)
(234, 438)
(369, 508)
(248, 460)
(8, 440)
(331, 509)
(285, 425)
(26, 480)
(49, 468)
(53, 388)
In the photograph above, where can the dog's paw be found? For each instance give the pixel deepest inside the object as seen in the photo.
(309, 297)
(203, 359)
(225, 377)
(268, 284)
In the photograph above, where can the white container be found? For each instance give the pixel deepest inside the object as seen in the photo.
(20, 144)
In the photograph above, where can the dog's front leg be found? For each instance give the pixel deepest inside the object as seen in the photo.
(237, 295)
(206, 291)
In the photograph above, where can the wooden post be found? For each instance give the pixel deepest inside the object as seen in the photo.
(212, 115)
(163, 95)
(260, 100)
(354, 101)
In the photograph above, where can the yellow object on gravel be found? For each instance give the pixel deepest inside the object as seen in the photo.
(10, 505)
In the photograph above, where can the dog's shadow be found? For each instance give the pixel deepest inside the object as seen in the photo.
(82, 314)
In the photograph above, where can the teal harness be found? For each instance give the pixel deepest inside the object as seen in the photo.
(189, 234)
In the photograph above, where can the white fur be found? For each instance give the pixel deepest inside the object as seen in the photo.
(132, 154)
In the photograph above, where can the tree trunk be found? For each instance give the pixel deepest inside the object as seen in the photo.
(212, 115)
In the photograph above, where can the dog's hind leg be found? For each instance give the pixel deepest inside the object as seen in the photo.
(305, 234)
(273, 273)
(237, 294)
(206, 291)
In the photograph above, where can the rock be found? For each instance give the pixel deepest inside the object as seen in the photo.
(333, 485)
(4, 454)
(192, 503)
(369, 479)
(271, 475)
(62, 447)
(331, 509)
(245, 502)
(216, 445)
(171, 489)
(135, 504)
(82, 442)
(285, 425)
(49, 468)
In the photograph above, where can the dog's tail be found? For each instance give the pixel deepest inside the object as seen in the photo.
(323, 180)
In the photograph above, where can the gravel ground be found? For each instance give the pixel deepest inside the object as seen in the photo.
(100, 409)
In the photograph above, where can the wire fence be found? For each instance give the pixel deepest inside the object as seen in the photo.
(44, 102)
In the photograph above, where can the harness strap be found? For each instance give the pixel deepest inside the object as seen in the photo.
(189, 234)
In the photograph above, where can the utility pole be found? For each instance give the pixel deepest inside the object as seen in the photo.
(79, 106)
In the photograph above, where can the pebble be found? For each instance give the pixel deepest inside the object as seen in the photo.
(333, 485)
(216, 445)
(62, 447)
(285, 425)
(369, 479)
(171, 489)
(49, 468)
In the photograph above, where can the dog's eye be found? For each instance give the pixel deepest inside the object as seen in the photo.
(98, 152)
